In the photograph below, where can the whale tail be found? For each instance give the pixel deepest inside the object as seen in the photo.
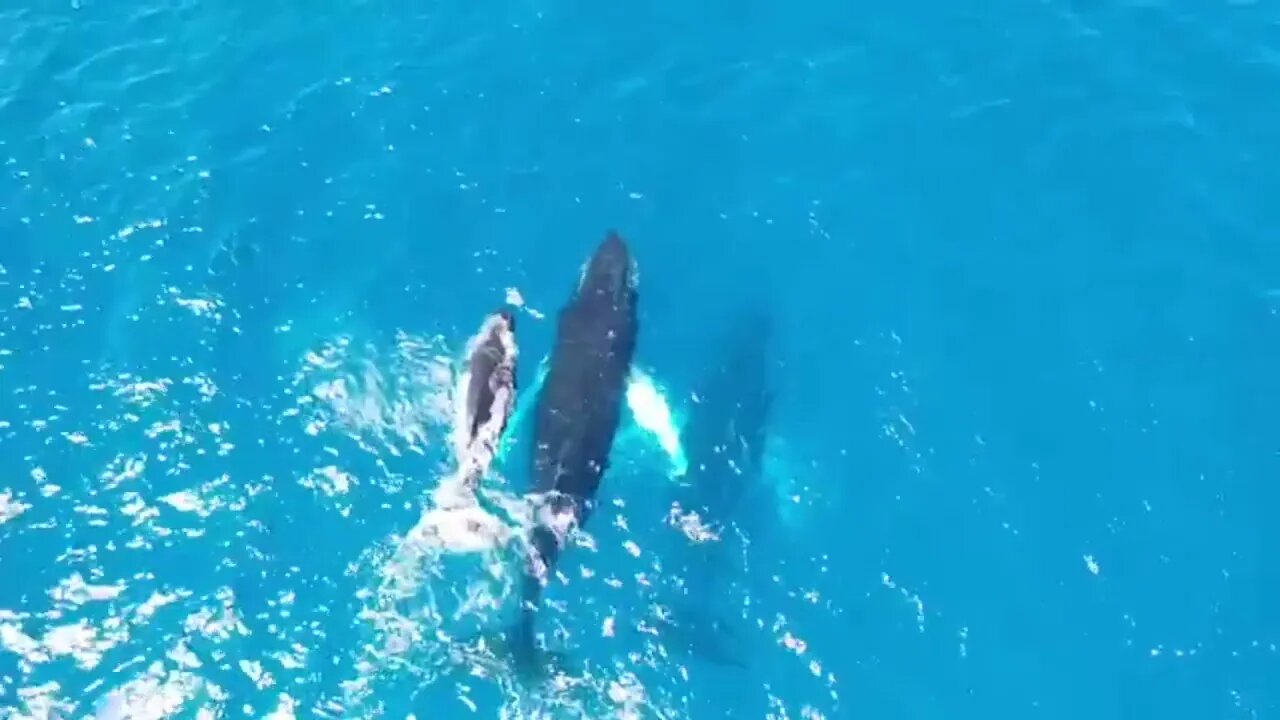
(515, 640)
(516, 643)
(543, 551)
(530, 661)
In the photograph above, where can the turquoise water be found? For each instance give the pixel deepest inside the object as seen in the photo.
(980, 301)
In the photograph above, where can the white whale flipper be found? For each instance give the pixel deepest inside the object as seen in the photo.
(652, 413)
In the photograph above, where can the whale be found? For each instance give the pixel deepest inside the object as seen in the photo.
(485, 399)
(724, 490)
(726, 434)
(576, 416)
(490, 390)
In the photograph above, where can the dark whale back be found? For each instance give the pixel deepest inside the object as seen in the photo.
(580, 405)
(491, 366)
(577, 415)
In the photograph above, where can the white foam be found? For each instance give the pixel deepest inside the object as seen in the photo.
(460, 529)
(11, 508)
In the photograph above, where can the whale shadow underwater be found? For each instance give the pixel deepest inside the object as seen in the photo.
(723, 502)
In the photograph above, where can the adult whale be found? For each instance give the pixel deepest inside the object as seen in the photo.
(576, 416)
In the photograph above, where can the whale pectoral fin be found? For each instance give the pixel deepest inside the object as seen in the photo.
(652, 414)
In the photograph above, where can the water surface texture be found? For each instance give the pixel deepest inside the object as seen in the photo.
(966, 315)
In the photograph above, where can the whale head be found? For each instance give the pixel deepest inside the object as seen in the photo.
(611, 270)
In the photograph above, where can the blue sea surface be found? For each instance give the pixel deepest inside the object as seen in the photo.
(966, 315)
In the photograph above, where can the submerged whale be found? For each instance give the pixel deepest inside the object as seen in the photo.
(726, 434)
(724, 490)
(576, 416)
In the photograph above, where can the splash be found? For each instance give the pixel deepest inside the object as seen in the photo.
(398, 403)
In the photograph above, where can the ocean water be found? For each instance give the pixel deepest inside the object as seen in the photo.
(965, 316)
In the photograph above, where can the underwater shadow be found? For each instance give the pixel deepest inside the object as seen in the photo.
(723, 503)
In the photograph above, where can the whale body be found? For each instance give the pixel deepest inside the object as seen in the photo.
(485, 400)
(490, 394)
(576, 415)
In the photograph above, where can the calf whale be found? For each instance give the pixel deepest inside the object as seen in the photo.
(484, 400)
(576, 416)
(490, 396)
